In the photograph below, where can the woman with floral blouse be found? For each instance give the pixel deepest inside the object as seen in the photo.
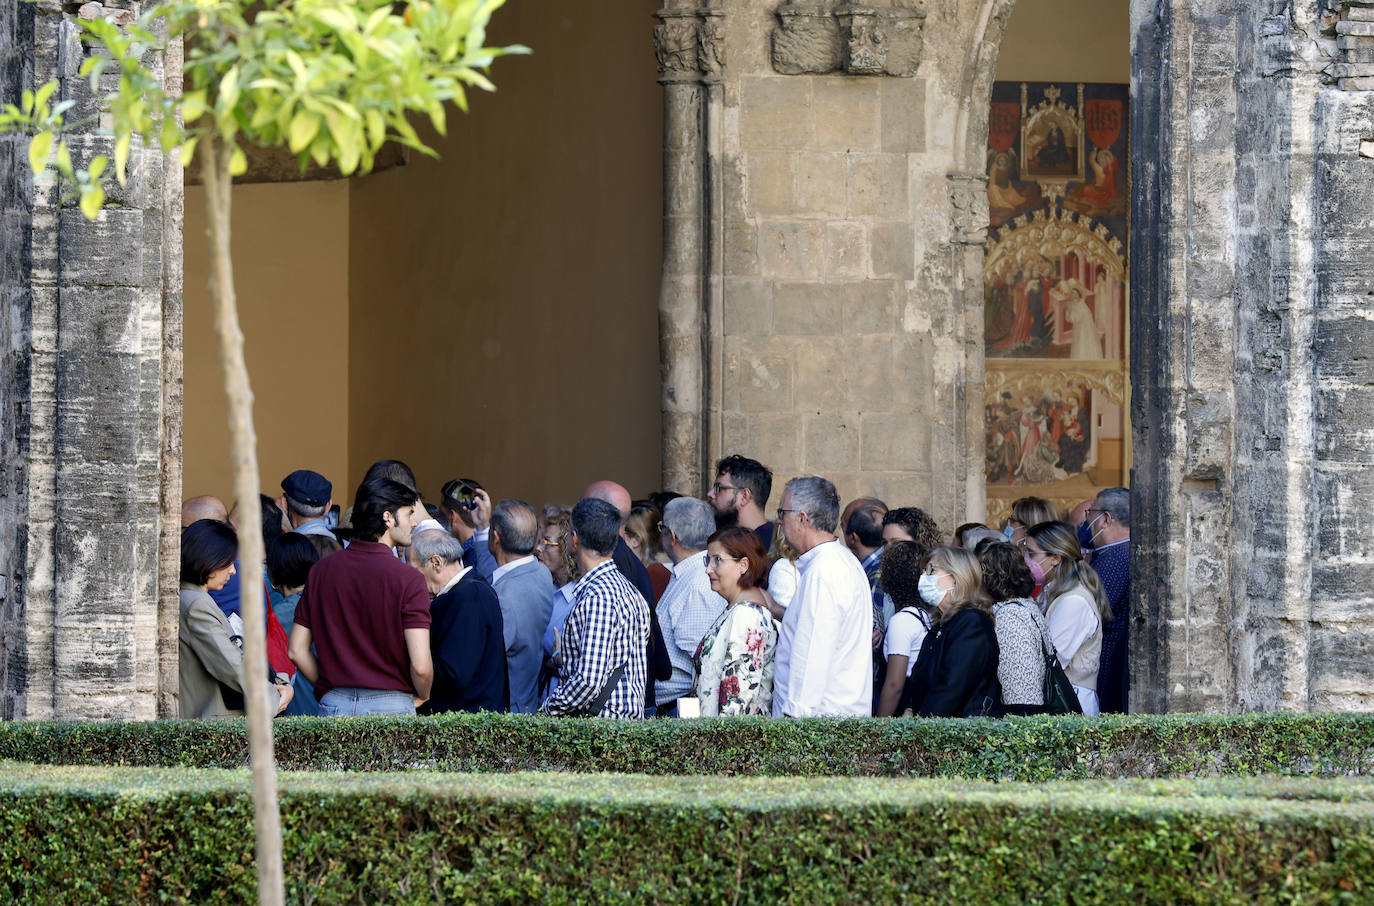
(734, 662)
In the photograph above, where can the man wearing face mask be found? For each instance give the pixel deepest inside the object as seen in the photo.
(1107, 527)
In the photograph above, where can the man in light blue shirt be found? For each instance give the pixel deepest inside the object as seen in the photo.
(524, 589)
(688, 607)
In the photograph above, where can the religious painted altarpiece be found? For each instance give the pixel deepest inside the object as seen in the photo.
(1056, 292)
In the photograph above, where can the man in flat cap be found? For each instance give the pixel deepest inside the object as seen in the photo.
(307, 497)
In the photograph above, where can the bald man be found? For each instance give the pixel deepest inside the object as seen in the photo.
(203, 507)
(630, 566)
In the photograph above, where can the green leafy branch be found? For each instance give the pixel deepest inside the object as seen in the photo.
(333, 80)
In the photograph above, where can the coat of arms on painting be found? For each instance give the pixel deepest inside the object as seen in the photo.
(1056, 289)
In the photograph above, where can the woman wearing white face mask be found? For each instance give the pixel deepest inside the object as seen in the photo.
(1074, 603)
(956, 672)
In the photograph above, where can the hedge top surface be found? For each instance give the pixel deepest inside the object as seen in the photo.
(1042, 748)
(1350, 797)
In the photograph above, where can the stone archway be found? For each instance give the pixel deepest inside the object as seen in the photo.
(1246, 129)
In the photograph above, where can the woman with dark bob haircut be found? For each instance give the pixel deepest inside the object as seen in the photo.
(1020, 628)
(734, 662)
(208, 661)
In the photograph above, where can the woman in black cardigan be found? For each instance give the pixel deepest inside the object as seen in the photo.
(956, 671)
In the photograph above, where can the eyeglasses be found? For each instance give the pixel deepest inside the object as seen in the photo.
(714, 561)
(547, 543)
(719, 488)
(782, 513)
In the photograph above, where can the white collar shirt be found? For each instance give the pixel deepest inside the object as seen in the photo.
(510, 567)
(824, 663)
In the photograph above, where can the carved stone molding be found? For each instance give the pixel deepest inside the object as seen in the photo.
(968, 195)
(858, 39)
(689, 45)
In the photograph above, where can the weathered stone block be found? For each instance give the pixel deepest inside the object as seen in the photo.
(772, 175)
(831, 443)
(1351, 27)
(895, 442)
(741, 248)
(821, 183)
(903, 109)
(774, 440)
(104, 252)
(763, 381)
(748, 306)
(846, 250)
(1339, 655)
(870, 307)
(846, 112)
(820, 376)
(1345, 419)
(792, 251)
(775, 113)
(1344, 515)
(806, 309)
(1344, 347)
(892, 247)
(878, 185)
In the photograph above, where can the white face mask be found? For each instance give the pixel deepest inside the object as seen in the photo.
(930, 590)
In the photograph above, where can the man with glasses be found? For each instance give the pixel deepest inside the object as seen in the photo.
(688, 607)
(1107, 525)
(740, 494)
(824, 661)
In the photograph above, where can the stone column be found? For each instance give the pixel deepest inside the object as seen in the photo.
(687, 41)
(1250, 329)
(85, 616)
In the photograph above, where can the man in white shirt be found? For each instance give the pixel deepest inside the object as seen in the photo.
(824, 658)
(688, 607)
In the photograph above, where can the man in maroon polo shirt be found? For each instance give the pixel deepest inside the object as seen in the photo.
(366, 614)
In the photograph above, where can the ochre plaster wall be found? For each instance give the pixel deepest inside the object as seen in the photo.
(1067, 40)
(290, 244)
(503, 298)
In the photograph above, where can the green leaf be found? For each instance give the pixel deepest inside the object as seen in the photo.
(436, 116)
(40, 100)
(188, 151)
(193, 106)
(304, 126)
(39, 148)
(98, 164)
(122, 157)
(92, 200)
(238, 163)
(64, 159)
(27, 102)
(228, 91)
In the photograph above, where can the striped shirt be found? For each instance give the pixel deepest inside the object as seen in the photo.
(607, 628)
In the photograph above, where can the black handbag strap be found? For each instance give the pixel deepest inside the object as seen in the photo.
(605, 695)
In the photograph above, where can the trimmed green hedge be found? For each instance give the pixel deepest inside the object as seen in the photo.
(1040, 748)
(122, 835)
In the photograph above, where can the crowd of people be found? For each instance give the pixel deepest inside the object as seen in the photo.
(665, 606)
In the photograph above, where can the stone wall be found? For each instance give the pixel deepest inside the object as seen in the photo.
(840, 229)
(1251, 330)
(89, 620)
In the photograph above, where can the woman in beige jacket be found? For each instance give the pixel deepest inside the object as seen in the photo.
(209, 663)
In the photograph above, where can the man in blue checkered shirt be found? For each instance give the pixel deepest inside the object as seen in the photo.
(605, 640)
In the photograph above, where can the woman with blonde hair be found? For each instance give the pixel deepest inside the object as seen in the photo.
(1074, 603)
(1026, 512)
(956, 672)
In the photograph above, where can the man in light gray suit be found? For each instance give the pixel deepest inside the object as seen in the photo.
(524, 588)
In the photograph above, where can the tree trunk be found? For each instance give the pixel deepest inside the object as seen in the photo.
(243, 444)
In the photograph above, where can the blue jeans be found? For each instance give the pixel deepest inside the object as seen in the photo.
(351, 702)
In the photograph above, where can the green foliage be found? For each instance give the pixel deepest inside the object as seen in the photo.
(1043, 748)
(135, 835)
(333, 80)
